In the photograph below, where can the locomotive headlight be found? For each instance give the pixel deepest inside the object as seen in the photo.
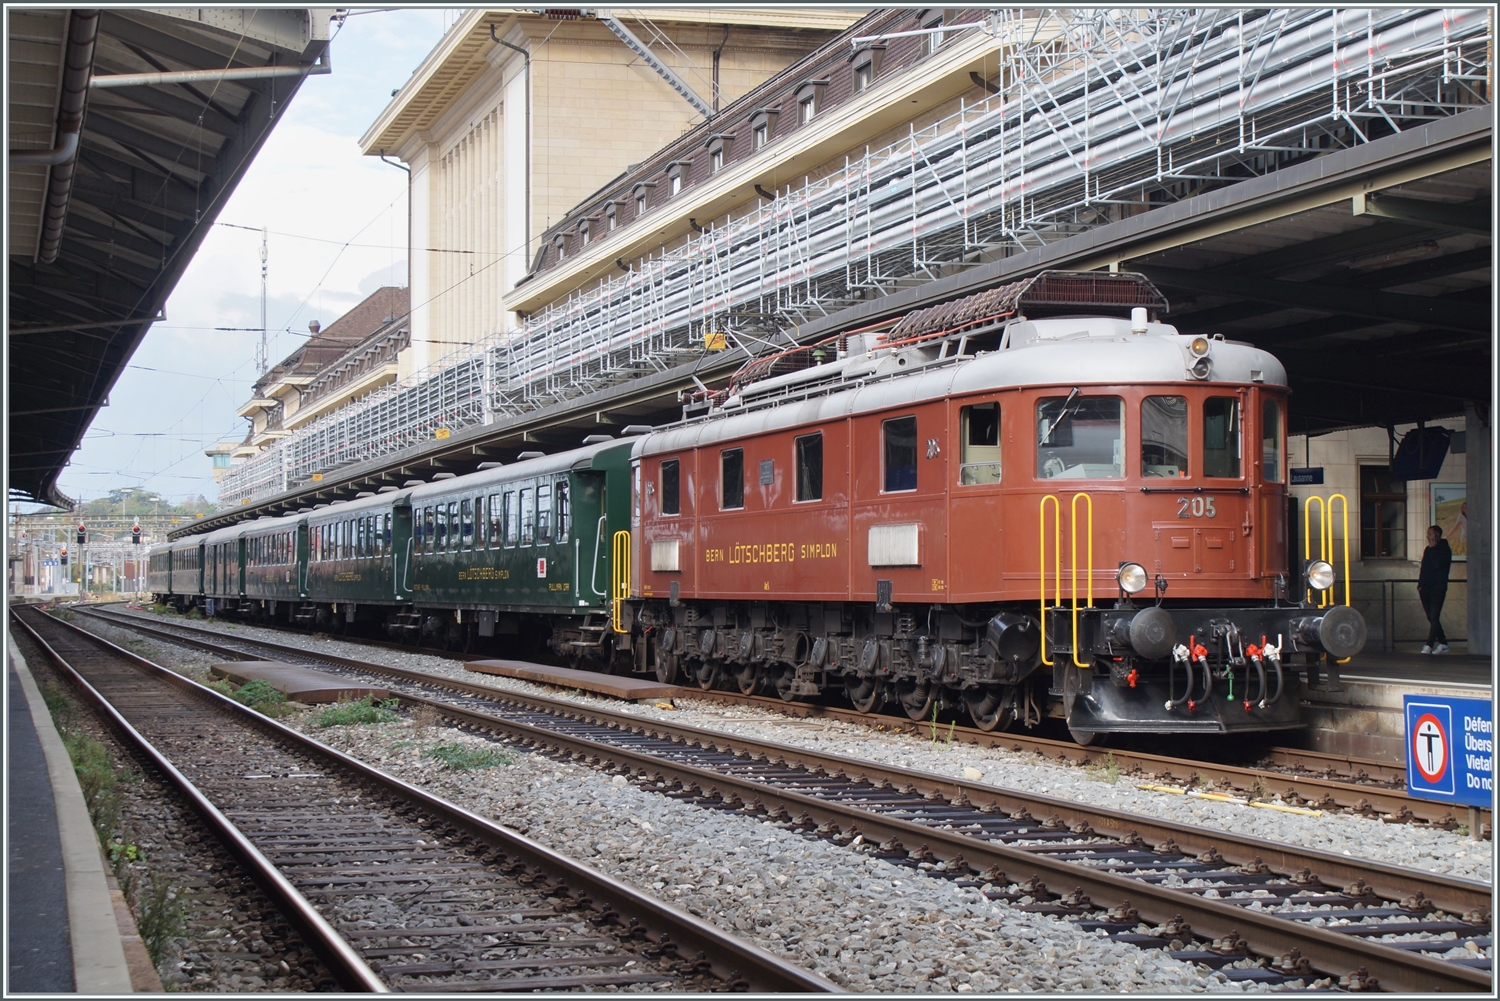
(1319, 575)
(1199, 347)
(1132, 577)
(1202, 368)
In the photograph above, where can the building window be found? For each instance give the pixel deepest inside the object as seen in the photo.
(1382, 514)
(640, 202)
(810, 467)
(732, 479)
(611, 220)
(560, 244)
(979, 444)
(900, 453)
(931, 19)
(674, 185)
(807, 109)
(1221, 437)
(863, 77)
(762, 135)
(583, 233)
(809, 100)
(715, 163)
(671, 487)
(1164, 436)
(763, 126)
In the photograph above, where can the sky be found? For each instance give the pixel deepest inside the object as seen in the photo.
(315, 193)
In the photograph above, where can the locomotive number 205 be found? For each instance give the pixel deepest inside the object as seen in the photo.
(1195, 507)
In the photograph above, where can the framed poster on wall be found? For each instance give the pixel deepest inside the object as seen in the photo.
(1449, 511)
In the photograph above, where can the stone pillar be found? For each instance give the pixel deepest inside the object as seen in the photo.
(1477, 463)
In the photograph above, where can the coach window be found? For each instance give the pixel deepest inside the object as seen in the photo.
(528, 517)
(543, 513)
(497, 523)
(564, 512)
(1270, 441)
(430, 517)
(1221, 436)
(453, 526)
(1080, 437)
(809, 448)
(466, 521)
(671, 487)
(979, 444)
(900, 453)
(512, 525)
(732, 479)
(1164, 436)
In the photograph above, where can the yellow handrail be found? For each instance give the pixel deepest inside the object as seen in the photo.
(1073, 515)
(1307, 524)
(1344, 504)
(620, 582)
(1056, 556)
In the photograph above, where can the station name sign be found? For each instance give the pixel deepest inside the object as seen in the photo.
(1307, 477)
(1450, 749)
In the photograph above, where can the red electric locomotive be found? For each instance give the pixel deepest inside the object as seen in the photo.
(1039, 500)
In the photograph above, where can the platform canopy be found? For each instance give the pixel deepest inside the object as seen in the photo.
(138, 155)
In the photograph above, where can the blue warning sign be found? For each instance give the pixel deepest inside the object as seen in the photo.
(1449, 749)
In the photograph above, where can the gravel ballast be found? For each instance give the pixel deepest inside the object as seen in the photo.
(1428, 848)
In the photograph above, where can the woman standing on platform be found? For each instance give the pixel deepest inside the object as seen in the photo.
(1432, 588)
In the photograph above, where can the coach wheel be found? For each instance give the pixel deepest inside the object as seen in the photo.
(1084, 739)
(916, 697)
(747, 679)
(706, 673)
(865, 694)
(991, 707)
(666, 667)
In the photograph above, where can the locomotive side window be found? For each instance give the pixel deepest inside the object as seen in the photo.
(1221, 436)
(543, 513)
(979, 443)
(900, 452)
(466, 520)
(1080, 437)
(1270, 441)
(671, 487)
(732, 479)
(1164, 436)
(528, 517)
(810, 467)
(564, 512)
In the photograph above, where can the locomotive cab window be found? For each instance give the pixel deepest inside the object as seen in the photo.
(732, 479)
(979, 444)
(1221, 437)
(1080, 437)
(1164, 436)
(1270, 441)
(671, 487)
(810, 467)
(900, 453)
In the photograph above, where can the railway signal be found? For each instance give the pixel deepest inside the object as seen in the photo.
(62, 558)
(135, 533)
(82, 533)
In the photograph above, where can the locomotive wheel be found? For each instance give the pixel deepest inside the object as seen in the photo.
(707, 674)
(747, 678)
(666, 668)
(865, 694)
(916, 697)
(989, 707)
(1084, 739)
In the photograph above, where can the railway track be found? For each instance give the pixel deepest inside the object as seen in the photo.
(1215, 897)
(1306, 778)
(392, 887)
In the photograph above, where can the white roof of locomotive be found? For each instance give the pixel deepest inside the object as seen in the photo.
(1057, 351)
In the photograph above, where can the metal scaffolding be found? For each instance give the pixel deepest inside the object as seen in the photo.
(1096, 115)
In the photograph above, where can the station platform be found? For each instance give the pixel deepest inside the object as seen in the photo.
(1362, 717)
(297, 683)
(614, 685)
(68, 929)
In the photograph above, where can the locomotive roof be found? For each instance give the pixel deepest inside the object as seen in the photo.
(1057, 351)
(558, 462)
